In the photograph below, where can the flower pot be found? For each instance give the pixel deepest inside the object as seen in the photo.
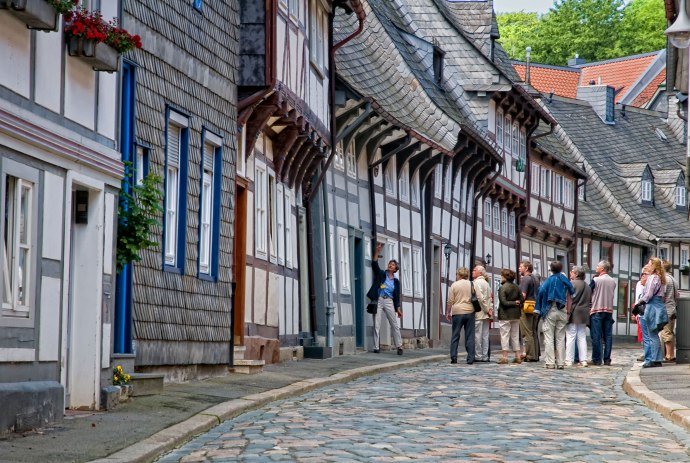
(36, 14)
(100, 56)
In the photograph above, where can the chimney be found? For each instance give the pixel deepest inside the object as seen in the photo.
(528, 55)
(576, 61)
(602, 100)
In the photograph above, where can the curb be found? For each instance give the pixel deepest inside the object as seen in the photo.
(634, 387)
(163, 441)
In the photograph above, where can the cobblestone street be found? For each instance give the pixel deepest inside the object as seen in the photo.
(443, 412)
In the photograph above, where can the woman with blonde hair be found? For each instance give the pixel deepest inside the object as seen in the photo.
(653, 311)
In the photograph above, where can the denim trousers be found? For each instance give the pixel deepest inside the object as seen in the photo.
(466, 322)
(601, 328)
(647, 341)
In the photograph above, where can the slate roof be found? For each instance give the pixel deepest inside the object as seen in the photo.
(554, 147)
(614, 158)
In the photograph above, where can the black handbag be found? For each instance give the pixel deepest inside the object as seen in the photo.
(638, 309)
(475, 302)
(372, 308)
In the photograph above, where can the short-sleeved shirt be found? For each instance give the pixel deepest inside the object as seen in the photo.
(528, 285)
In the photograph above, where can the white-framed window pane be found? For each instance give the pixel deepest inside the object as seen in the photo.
(438, 178)
(680, 196)
(497, 218)
(389, 177)
(546, 183)
(470, 201)
(139, 165)
(406, 267)
(516, 140)
(272, 216)
(171, 203)
(487, 214)
(511, 225)
(339, 161)
(646, 190)
(206, 223)
(344, 254)
(499, 128)
(333, 267)
(241, 164)
(447, 180)
(506, 133)
(504, 221)
(581, 192)
(684, 257)
(523, 145)
(288, 229)
(417, 270)
(351, 160)
(535, 171)
(261, 205)
(404, 184)
(280, 222)
(414, 190)
(558, 192)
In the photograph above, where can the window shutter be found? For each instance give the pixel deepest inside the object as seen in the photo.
(209, 155)
(174, 133)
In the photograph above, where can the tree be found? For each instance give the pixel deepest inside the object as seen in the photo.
(642, 27)
(518, 31)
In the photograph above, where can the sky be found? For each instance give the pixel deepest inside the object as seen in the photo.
(540, 6)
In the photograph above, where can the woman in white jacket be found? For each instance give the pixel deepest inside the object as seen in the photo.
(482, 320)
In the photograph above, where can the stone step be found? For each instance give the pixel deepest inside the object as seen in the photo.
(249, 367)
(147, 383)
(126, 361)
(239, 352)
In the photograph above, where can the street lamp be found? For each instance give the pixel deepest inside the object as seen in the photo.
(488, 259)
(679, 36)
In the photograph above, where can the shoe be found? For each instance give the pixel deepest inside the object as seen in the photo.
(607, 363)
(453, 360)
(669, 360)
(651, 364)
(517, 360)
(550, 367)
(640, 358)
(583, 363)
(376, 351)
(399, 350)
(597, 364)
(568, 364)
(532, 360)
(560, 367)
(470, 363)
(503, 361)
(658, 364)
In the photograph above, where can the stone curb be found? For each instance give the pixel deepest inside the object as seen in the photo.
(163, 441)
(634, 387)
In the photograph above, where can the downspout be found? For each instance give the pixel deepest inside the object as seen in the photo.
(576, 199)
(475, 200)
(330, 311)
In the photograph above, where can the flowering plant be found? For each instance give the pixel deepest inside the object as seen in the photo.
(120, 378)
(63, 6)
(90, 25)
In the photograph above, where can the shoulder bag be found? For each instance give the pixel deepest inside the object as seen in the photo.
(475, 302)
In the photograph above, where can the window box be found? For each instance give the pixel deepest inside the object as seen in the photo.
(36, 14)
(100, 56)
(684, 269)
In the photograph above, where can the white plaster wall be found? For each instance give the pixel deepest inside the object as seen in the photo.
(295, 308)
(80, 92)
(52, 216)
(276, 300)
(49, 52)
(408, 315)
(416, 226)
(436, 221)
(15, 48)
(249, 289)
(391, 217)
(108, 232)
(260, 296)
(405, 225)
(49, 322)
(281, 48)
(107, 104)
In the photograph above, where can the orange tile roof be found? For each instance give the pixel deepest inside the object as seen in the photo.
(620, 73)
(648, 93)
(559, 80)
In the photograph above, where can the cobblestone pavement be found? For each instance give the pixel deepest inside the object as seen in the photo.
(444, 412)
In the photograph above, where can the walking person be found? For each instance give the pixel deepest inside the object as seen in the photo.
(576, 329)
(482, 319)
(529, 322)
(551, 302)
(459, 308)
(655, 316)
(386, 291)
(671, 296)
(601, 314)
(509, 307)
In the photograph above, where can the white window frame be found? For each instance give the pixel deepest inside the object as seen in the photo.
(391, 250)
(684, 256)
(516, 140)
(414, 190)
(280, 222)
(344, 258)
(504, 221)
(681, 195)
(288, 229)
(447, 183)
(568, 193)
(139, 165)
(351, 160)
(581, 192)
(507, 124)
(497, 285)
(272, 217)
(406, 269)
(417, 270)
(389, 177)
(404, 183)
(470, 202)
(523, 145)
(339, 159)
(499, 128)
(487, 214)
(179, 123)
(511, 226)
(546, 183)
(646, 190)
(558, 189)
(334, 286)
(241, 161)
(261, 208)
(497, 218)
(317, 28)
(16, 311)
(536, 178)
(438, 179)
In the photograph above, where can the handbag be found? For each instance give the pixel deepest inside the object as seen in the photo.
(528, 306)
(372, 308)
(475, 302)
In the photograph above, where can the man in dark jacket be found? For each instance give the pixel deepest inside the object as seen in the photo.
(386, 291)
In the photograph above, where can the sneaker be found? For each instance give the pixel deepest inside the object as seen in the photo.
(550, 367)
(560, 367)
(640, 358)
(503, 361)
(568, 364)
(399, 350)
(583, 363)
(376, 351)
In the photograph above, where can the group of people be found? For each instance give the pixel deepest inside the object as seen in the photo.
(565, 305)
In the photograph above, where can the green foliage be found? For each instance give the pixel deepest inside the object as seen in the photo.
(594, 29)
(137, 214)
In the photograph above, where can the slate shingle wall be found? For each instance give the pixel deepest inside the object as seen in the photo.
(189, 61)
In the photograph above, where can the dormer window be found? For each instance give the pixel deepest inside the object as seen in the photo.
(681, 193)
(647, 189)
(438, 63)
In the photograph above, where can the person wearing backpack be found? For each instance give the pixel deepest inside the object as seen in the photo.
(529, 322)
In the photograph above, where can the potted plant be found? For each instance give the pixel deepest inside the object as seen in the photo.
(38, 14)
(684, 269)
(96, 41)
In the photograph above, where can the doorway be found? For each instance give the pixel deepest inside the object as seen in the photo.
(435, 293)
(240, 262)
(358, 294)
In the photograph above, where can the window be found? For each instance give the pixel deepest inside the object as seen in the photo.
(663, 253)
(18, 245)
(317, 28)
(141, 164)
(647, 193)
(681, 192)
(545, 183)
(176, 190)
(404, 184)
(261, 204)
(294, 8)
(587, 253)
(439, 56)
(497, 285)
(210, 204)
(568, 193)
(506, 133)
(406, 270)
(391, 251)
(283, 4)
(333, 267)
(351, 160)
(499, 128)
(497, 218)
(607, 253)
(487, 215)
(417, 270)
(241, 165)
(535, 179)
(272, 216)
(344, 254)
(504, 221)
(389, 177)
(447, 181)
(414, 190)
(470, 201)
(523, 146)
(438, 176)
(288, 229)
(511, 226)
(558, 190)
(280, 222)
(339, 160)
(516, 140)
(684, 257)
(581, 193)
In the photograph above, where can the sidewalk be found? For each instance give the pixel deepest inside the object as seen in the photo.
(145, 427)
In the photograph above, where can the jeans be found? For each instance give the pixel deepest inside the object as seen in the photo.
(575, 334)
(528, 324)
(646, 341)
(554, 329)
(386, 306)
(481, 339)
(601, 326)
(466, 322)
